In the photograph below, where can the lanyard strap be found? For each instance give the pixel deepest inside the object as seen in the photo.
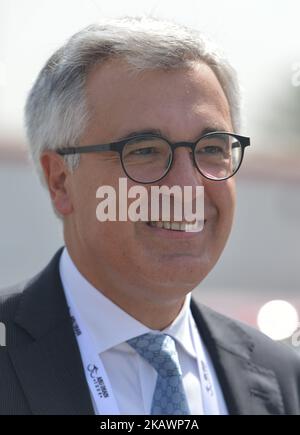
(98, 381)
(209, 397)
(94, 370)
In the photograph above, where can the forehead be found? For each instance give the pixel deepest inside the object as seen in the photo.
(119, 98)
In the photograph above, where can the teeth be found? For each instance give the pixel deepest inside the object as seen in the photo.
(179, 226)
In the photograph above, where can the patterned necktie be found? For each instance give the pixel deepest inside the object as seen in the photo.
(159, 350)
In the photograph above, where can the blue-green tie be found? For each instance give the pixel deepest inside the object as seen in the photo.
(159, 350)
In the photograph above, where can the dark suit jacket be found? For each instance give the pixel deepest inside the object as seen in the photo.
(41, 370)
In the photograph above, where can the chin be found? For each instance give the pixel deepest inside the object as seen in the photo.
(179, 273)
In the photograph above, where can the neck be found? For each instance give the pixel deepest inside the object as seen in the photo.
(156, 314)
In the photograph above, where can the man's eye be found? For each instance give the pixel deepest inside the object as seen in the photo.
(144, 151)
(212, 150)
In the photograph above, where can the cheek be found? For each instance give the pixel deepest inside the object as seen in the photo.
(114, 244)
(85, 208)
(87, 180)
(222, 197)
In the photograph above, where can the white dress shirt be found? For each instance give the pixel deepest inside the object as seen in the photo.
(132, 378)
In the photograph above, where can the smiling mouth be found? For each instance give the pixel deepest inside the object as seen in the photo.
(186, 227)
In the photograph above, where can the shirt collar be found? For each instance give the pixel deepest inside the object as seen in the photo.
(180, 328)
(107, 323)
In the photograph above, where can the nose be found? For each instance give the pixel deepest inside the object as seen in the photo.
(183, 171)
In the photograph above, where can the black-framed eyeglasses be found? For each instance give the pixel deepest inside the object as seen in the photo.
(147, 158)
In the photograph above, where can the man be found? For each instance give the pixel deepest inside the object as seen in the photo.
(109, 326)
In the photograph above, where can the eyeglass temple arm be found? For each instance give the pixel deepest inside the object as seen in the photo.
(87, 149)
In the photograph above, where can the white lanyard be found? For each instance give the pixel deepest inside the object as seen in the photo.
(98, 380)
(95, 372)
(209, 397)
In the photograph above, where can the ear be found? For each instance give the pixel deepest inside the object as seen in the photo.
(57, 175)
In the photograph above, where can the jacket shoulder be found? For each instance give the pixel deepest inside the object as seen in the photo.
(9, 302)
(276, 353)
(12, 399)
(235, 344)
(263, 349)
(10, 298)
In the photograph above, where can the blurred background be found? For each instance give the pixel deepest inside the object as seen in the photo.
(257, 279)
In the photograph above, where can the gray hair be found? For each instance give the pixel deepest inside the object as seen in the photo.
(56, 112)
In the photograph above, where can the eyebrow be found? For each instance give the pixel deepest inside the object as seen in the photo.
(157, 131)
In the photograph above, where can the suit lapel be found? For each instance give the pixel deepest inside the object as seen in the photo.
(248, 388)
(49, 365)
